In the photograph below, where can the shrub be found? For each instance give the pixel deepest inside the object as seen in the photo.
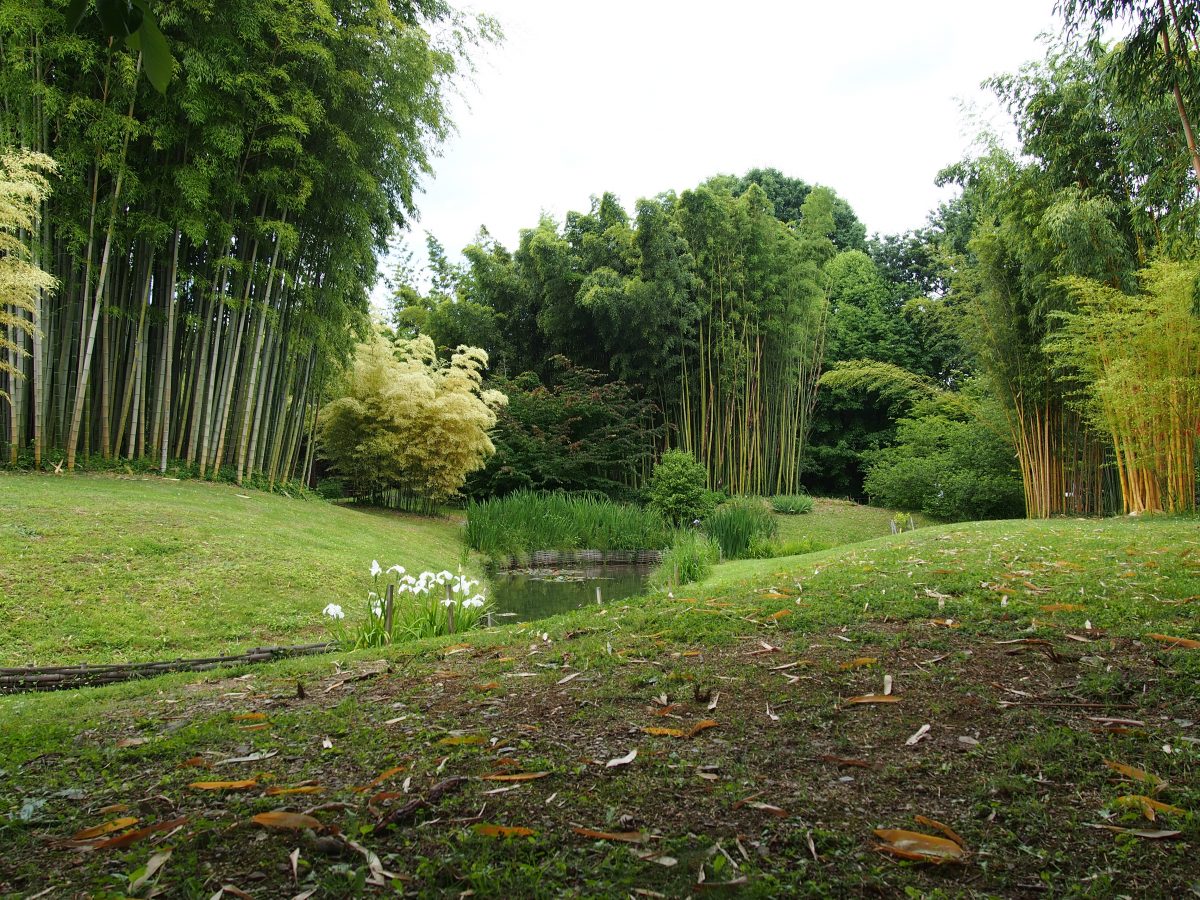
(742, 528)
(526, 521)
(678, 488)
(792, 504)
(947, 467)
(690, 558)
(408, 423)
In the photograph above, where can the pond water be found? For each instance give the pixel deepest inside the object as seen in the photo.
(522, 595)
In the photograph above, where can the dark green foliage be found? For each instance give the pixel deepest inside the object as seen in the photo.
(948, 466)
(576, 432)
(792, 504)
(678, 488)
(527, 521)
(742, 528)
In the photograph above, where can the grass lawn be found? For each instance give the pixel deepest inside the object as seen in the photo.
(108, 569)
(833, 523)
(1034, 709)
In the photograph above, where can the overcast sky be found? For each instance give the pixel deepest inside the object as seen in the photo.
(641, 97)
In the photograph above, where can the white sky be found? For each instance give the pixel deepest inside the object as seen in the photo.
(640, 97)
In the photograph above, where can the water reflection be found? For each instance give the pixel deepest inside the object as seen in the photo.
(525, 594)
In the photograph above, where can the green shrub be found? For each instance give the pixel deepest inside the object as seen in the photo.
(792, 504)
(742, 528)
(678, 488)
(525, 521)
(690, 558)
(947, 467)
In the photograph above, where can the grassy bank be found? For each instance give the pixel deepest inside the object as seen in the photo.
(1032, 702)
(109, 569)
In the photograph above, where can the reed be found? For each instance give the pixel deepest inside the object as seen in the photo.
(690, 557)
(526, 521)
(792, 504)
(742, 527)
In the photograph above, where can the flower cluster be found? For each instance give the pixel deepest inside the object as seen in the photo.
(436, 603)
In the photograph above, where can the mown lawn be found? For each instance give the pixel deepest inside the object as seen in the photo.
(107, 569)
(1028, 649)
(833, 523)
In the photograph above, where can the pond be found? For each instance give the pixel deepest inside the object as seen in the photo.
(522, 595)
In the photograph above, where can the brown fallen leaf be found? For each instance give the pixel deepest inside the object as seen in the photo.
(113, 808)
(109, 827)
(198, 762)
(917, 846)
(504, 831)
(874, 698)
(700, 726)
(664, 710)
(464, 740)
(628, 837)
(1156, 783)
(766, 807)
(945, 623)
(776, 616)
(259, 726)
(944, 829)
(130, 837)
(1062, 607)
(380, 779)
(243, 785)
(514, 776)
(841, 761)
(1148, 805)
(1139, 832)
(250, 717)
(132, 742)
(287, 791)
(1180, 642)
(288, 821)
(664, 732)
(859, 663)
(489, 686)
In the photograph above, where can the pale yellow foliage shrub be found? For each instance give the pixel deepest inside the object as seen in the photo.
(23, 187)
(408, 422)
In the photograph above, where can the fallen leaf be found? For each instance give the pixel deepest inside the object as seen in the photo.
(766, 807)
(841, 761)
(1062, 607)
(379, 779)
(622, 760)
(130, 837)
(628, 837)
(917, 846)
(874, 698)
(464, 740)
(858, 663)
(569, 677)
(289, 821)
(1148, 805)
(224, 785)
(286, 791)
(250, 717)
(132, 742)
(775, 617)
(106, 828)
(664, 732)
(701, 726)
(944, 829)
(514, 776)
(156, 862)
(945, 623)
(919, 735)
(489, 686)
(504, 831)
(1137, 775)
(1138, 832)
(1182, 643)
(253, 757)
(713, 703)
(114, 808)
(198, 762)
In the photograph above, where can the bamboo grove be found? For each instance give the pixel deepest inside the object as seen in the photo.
(709, 302)
(213, 246)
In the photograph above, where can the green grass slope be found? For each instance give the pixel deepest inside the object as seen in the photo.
(104, 569)
(1034, 707)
